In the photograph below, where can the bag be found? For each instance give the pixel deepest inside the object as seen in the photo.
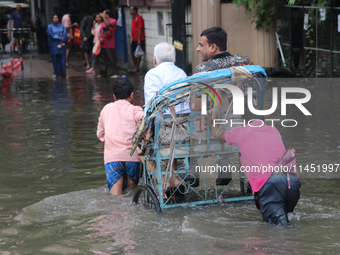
(288, 164)
(76, 37)
(96, 49)
(139, 52)
(107, 31)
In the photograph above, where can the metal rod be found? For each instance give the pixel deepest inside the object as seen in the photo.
(281, 53)
(332, 60)
(304, 49)
(316, 43)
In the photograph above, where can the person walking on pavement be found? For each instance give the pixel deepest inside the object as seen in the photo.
(57, 37)
(44, 39)
(87, 37)
(17, 19)
(107, 56)
(138, 37)
(95, 32)
(66, 21)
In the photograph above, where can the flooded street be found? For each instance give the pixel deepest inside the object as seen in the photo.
(54, 198)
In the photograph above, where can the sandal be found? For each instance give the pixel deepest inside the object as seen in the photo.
(69, 66)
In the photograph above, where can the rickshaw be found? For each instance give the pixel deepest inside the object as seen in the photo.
(183, 137)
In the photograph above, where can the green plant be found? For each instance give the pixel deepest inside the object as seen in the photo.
(264, 12)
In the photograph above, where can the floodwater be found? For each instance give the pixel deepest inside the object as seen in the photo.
(54, 198)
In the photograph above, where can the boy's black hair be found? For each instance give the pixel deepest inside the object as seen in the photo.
(122, 89)
(248, 115)
(216, 35)
(135, 8)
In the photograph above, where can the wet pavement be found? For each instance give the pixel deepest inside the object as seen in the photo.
(53, 192)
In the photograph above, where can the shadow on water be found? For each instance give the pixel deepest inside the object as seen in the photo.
(54, 199)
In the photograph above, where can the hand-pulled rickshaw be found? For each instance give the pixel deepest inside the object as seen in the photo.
(184, 137)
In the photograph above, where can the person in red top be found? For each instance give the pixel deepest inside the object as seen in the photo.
(138, 37)
(107, 56)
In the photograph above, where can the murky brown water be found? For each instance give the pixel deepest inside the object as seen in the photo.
(54, 199)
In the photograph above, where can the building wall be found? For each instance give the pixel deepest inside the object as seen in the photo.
(152, 36)
(244, 39)
(205, 14)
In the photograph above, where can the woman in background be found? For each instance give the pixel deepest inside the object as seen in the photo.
(95, 31)
(56, 39)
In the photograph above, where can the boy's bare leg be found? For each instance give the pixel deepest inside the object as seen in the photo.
(131, 184)
(117, 188)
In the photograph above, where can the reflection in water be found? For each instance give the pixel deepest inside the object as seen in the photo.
(53, 195)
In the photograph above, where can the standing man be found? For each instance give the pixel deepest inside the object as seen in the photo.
(138, 37)
(66, 21)
(17, 18)
(43, 34)
(107, 56)
(213, 50)
(87, 37)
(37, 28)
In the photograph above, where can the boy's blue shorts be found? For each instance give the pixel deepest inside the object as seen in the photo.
(114, 170)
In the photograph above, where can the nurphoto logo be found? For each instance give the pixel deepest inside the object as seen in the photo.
(238, 103)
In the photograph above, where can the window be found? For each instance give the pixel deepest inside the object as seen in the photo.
(160, 23)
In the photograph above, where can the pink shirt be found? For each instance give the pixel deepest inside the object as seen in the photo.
(66, 21)
(95, 32)
(118, 122)
(258, 146)
(109, 42)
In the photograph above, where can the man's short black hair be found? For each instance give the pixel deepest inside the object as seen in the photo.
(216, 35)
(92, 10)
(122, 89)
(107, 12)
(135, 8)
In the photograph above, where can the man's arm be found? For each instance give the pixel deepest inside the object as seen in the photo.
(100, 129)
(139, 34)
(82, 28)
(106, 20)
(140, 29)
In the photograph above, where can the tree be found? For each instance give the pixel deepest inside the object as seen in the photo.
(264, 12)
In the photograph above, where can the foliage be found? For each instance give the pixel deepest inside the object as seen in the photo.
(264, 12)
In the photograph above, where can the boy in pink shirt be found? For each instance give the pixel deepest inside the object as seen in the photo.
(261, 146)
(118, 122)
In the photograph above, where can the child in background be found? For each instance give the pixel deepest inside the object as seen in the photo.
(118, 122)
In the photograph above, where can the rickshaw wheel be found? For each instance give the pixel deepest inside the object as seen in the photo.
(146, 196)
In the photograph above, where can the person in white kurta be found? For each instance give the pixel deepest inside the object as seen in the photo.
(164, 72)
